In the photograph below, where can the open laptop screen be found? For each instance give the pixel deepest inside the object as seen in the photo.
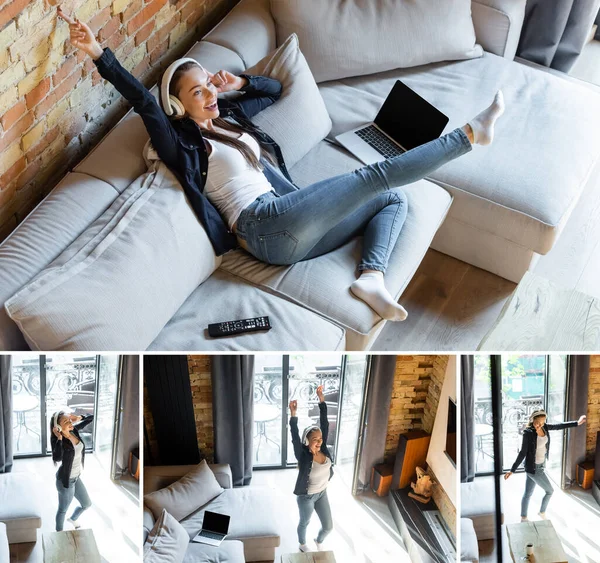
(214, 522)
(409, 119)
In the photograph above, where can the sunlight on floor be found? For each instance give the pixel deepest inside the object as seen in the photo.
(364, 531)
(113, 517)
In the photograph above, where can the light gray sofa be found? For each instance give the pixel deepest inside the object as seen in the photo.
(4, 551)
(497, 208)
(478, 504)
(20, 511)
(253, 533)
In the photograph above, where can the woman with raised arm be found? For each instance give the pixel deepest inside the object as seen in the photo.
(236, 180)
(535, 448)
(314, 472)
(69, 449)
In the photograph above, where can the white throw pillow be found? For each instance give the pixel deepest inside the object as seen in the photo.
(123, 279)
(167, 542)
(343, 38)
(298, 121)
(187, 494)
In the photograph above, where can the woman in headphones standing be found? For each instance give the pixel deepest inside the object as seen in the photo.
(535, 448)
(314, 472)
(69, 448)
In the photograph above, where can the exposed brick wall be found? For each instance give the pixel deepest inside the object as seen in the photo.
(54, 105)
(413, 407)
(593, 414)
(200, 367)
(443, 502)
(151, 457)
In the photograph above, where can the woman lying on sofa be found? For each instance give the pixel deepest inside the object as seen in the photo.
(236, 181)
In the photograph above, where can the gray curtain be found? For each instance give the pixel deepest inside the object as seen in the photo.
(6, 437)
(129, 421)
(577, 404)
(467, 419)
(555, 31)
(233, 414)
(597, 22)
(379, 395)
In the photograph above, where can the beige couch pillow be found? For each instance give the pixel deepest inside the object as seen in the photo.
(123, 279)
(342, 38)
(298, 121)
(187, 494)
(167, 542)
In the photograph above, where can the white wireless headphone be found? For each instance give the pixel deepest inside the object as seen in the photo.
(306, 432)
(171, 104)
(55, 422)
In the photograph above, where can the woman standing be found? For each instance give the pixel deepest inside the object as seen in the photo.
(69, 448)
(535, 448)
(314, 472)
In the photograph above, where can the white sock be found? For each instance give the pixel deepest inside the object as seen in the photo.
(303, 547)
(542, 515)
(483, 123)
(319, 545)
(524, 519)
(371, 289)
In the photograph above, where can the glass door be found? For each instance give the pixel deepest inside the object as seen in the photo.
(556, 409)
(106, 411)
(27, 404)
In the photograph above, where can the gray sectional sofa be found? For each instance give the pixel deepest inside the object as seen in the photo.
(498, 208)
(253, 532)
(20, 510)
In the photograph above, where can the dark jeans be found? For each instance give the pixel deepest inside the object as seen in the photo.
(65, 496)
(541, 479)
(318, 503)
(319, 218)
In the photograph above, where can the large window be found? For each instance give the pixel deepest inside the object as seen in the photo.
(529, 382)
(43, 384)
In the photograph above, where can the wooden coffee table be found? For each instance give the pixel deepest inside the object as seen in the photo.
(310, 557)
(73, 546)
(546, 544)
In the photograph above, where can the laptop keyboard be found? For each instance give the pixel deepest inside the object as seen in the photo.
(211, 535)
(379, 141)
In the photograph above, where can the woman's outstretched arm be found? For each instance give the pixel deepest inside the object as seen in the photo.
(294, 430)
(569, 424)
(160, 129)
(520, 457)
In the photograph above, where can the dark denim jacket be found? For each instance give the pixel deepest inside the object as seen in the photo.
(529, 446)
(180, 145)
(63, 450)
(302, 453)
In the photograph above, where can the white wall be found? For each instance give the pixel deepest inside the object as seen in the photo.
(436, 457)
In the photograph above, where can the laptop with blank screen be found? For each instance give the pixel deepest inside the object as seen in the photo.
(405, 121)
(215, 527)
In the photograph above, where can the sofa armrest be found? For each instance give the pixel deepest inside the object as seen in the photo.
(161, 476)
(498, 25)
(148, 522)
(223, 474)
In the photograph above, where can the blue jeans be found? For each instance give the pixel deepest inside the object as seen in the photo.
(539, 478)
(65, 496)
(323, 216)
(320, 504)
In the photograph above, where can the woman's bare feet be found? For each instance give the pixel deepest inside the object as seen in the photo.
(482, 125)
(371, 289)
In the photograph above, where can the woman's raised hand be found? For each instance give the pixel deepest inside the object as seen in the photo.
(81, 35)
(581, 420)
(507, 475)
(293, 407)
(56, 432)
(320, 393)
(225, 81)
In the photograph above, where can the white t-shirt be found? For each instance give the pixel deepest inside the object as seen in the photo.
(76, 468)
(540, 452)
(232, 184)
(319, 476)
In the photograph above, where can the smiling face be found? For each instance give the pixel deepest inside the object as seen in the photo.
(197, 94)
(315, 441)
(65, 423)
(539, 421)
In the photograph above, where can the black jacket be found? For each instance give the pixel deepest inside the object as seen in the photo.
(302, 453)
(63, 450)
(180, 145)
(529, 446)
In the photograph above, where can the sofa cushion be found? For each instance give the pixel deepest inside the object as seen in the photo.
(4, 550)
(196, 488)
(342, 38)
(20, 496)
(123, 279)
(322, 284)
(299, 119)
(230, 551)
(525, 184)
(167, 541)
(469, 549)
(478, 504)
(224, 297)
(53, 225)
(254, 518)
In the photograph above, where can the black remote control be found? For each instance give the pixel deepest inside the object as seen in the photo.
(237, 327)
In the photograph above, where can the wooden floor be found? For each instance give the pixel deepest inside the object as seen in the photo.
(452, 305)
